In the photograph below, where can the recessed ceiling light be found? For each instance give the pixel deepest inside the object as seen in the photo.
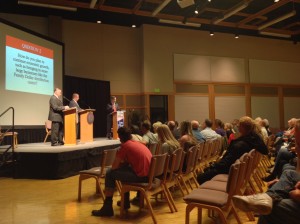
(211, 33)
(236, 36)
(133, 26)
(196, 11)
(98, 21)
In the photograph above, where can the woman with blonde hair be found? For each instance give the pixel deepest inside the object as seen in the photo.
(187, 138)
(250, 138)
(168, 143)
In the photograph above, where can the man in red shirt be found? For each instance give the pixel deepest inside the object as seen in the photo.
(132, 164)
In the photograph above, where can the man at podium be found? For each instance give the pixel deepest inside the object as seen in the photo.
(111, 108)
(56, 108)
(74, 103)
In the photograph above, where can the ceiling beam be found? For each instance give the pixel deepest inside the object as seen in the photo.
(264, 11)
(235, 9)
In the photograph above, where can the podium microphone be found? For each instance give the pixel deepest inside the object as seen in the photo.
(66, 98)
(85, 104)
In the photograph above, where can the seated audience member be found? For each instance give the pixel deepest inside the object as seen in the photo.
(220, 127)
(249, 139)
(283, 157)
(284, 138)
(155, 126)
(207, 132)
(168, 143)
(281, 203)
(235, 131)
(261, 124)
(187, 139)
(228, 129)
(132, 164)
(174, 129)
(135, 133)
(148, 137)
(267, 126)
(195, 130)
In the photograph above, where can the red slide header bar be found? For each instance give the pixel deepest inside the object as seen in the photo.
(29, 47)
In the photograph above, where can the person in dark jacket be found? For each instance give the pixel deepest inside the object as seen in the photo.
(56, 108)
(249, 139)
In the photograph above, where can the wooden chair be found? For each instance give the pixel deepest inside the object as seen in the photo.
(158, 167)
(14, 135)
(214, 200)
(48, 129)
(185, 176)
(154, 148)
(97, 173)
(170, 178)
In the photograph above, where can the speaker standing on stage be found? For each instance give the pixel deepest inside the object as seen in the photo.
(74, 103)
(56, 116)
(111, 108)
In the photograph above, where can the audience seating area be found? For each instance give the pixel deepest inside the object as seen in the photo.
(167, 176)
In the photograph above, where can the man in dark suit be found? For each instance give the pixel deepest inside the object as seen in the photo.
(74, 103)
(111, 108)
(56, 116)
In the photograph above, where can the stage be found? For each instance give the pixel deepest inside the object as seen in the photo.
(43, 161)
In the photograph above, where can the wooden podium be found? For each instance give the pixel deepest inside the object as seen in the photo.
(86, 125)
(70, 126)
(118, 121)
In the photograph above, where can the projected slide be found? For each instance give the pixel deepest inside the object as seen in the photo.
(29, 67)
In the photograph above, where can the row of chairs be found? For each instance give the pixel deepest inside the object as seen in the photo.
(216, 194)
(166, 171)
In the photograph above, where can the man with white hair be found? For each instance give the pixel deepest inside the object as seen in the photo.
(195, 129)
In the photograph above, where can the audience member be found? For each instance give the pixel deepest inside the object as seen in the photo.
(207, 132)
(168, 143)
(174, 129)
(281, 203)
(131, 164)
(267, 126)
(135, 133)
(187, 138)
(220, 127)
(228, 128)
(250, 139)
(148, 136)
(155, 126)
(195, 130)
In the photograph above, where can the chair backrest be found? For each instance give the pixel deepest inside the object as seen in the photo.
(232, 179)
(205, 153)
(158, 166)
(200, 153)
(191, 159)
(48, 125)
(250, 167)
(107, 159)
(174, 162)
(153, 148)
(244, 159)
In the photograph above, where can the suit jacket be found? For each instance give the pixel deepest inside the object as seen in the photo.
(109, 108)
(78, 109)
(56, 108)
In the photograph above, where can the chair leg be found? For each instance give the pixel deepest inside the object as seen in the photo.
(180, 187)
(170, 197)
(188, 210)
(199, 215)
(170, 204)
(149, 207)
(46, 137)
(79, 189)
(98, 184)
(236, 215)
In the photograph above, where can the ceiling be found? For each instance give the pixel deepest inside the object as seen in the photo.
(264, 18)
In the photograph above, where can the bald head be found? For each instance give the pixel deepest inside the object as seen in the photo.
(195, 125)
(171, 125)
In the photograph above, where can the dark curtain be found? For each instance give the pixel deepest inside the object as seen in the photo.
(92, 93)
